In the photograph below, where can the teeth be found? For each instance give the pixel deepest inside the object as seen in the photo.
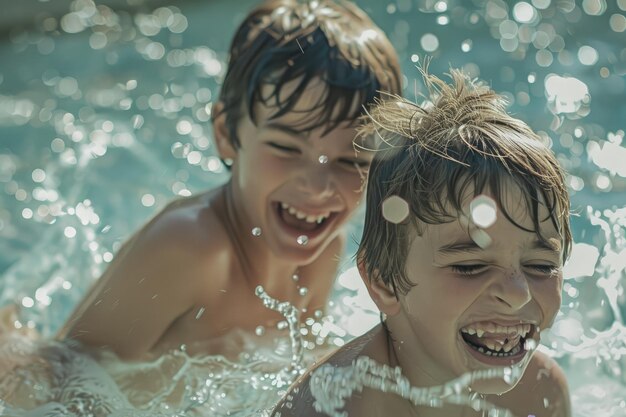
(511, 331)
(309, 218)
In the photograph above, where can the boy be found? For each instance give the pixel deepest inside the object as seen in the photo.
(466, 231)
(299, 76)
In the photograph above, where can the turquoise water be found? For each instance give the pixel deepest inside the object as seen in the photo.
(104, 118)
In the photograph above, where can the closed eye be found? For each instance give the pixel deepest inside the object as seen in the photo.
(469, 270)
(544, 269)
(283, 148)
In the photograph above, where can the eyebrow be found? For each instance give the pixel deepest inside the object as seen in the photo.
(464, 246)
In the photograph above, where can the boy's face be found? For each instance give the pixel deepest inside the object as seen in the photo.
(294, 184)
(503, 290)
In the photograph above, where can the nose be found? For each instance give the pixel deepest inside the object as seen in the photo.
(316, 181)
(512, 289)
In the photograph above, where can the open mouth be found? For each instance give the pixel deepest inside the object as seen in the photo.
(493, 342)
(302, 222)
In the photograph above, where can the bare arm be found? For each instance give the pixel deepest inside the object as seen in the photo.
(149, 284)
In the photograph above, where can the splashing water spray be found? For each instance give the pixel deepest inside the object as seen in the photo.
(292, 315)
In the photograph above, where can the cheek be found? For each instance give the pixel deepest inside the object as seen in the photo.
(548, 296)
(349, 184)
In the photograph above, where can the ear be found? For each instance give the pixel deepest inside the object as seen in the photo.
(383, 296)
(225, 147)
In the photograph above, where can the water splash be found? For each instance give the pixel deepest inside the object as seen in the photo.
(331, 386)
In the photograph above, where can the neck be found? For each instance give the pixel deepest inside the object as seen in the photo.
(259, 265)
(408, 355)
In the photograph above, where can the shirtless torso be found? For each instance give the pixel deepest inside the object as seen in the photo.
(186, 277)
(541, 392)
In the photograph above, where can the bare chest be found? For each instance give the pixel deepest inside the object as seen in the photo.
(217, 313)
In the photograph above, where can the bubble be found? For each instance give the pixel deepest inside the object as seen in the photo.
(483, 211)
(302, 240)
(323, 159)
(303, 291)
(524, 12)
(295, 277)
(603, 182)
(27, 213)
(57, 145)
(38, 175)
(587, 55)
(395, 209)
(466, 46)
(282, 325)
(617, 22)
(147, 200)
(194, 157)
(98, 40)
(69, 232)
(28, 302)
(259, 331)
(415, 58)
(429, 42)
(594, 7)
(184, 127)
(256, 231)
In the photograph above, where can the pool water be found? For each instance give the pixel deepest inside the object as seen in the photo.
(104, 117)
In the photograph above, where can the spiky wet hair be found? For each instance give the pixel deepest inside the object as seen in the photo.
(461, 138)
(290, 40)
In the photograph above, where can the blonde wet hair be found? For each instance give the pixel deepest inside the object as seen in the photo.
(432, 154)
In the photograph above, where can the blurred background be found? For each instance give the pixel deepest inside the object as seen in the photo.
(105, 116)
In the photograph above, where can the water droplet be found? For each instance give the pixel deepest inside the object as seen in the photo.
(395, 209)
(530, 344)
(256, 231)
(200, 313)
(483, 211)
(302, 240)
(259, 331)
(281, 325)
(481, 238)
(303, 291)
(323, 159)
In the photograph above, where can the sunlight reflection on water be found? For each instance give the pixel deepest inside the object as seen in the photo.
(104, 117)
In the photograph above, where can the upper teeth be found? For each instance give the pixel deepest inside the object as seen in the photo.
(309, 218)
(512, 331)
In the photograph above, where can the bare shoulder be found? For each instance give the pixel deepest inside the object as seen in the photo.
(303, 397)
(153, 280)
(193, 222)
(542, 391)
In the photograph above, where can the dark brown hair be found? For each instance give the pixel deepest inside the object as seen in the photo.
(287, 40)
(431, 155)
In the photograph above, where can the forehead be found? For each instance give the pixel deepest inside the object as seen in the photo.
(485, 206)
(309, 110)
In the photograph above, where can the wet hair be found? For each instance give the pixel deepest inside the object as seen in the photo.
(432, 155)
(290, 40)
